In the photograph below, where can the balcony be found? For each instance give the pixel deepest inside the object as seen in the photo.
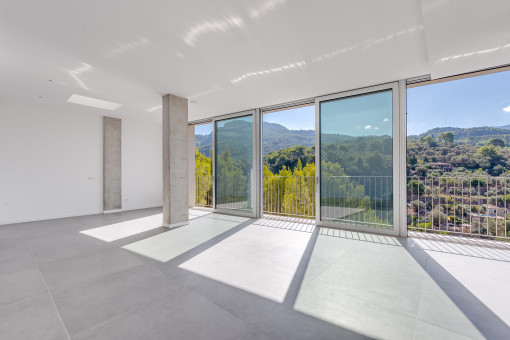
(468, 206)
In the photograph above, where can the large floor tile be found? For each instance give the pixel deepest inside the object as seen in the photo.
(120, 230)
(51, 227)
(427, 331)
(374, 284)
(287, 323)
(84, 268)
(482, 277)
(255, 335)
(325, 252)
(31, 318)
(352, 313)
(391, 257)
(52, 248)
(10, 234)
(181, 316)
(16, 257)
(20, 285)
(252, 277)
(85, 304)
(166, 246)
(246, 306)
(437, 308)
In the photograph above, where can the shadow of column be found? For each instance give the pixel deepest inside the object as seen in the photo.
(485, 320)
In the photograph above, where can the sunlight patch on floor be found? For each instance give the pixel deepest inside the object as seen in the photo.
(117, 231)
(174, 242)
(259, 259)
(353, 282)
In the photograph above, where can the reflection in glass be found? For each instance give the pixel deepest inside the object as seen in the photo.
(234, 172)
(356, 152)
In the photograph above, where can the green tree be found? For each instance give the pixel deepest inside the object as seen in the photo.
(498, 142)
(446, 137)
(203, 182)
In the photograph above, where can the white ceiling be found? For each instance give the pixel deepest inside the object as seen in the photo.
(234, 55)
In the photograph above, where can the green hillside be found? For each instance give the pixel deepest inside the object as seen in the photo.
(473, 136)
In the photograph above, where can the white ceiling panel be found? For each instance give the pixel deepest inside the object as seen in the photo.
(225, 56)
(466, 35)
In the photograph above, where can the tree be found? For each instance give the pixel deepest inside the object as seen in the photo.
(415, 187)
(203, 174)
(446, 137)
(430, 141)
(498, 142)
(488, 151)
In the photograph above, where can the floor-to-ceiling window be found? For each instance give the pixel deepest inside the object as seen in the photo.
(203, 165)
(357, 161)
(288, 151)
(458, 156)
(235, 177)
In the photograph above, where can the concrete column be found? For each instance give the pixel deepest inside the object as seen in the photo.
(175, 161)
(191, 166)
(112, 162)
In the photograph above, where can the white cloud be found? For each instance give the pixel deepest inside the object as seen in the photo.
(376, 128)
(507, 109)
(368, 127)
(386, 120)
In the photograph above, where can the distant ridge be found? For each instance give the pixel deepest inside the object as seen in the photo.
(276, 137)
(473, 136)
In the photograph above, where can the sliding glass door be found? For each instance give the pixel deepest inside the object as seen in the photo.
(234, 165)
(357, 161)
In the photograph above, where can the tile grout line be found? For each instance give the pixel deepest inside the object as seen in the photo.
(204, 297)
(49, 291)
(125, 313)
(419, 298)
(446, 329)
(372, 303)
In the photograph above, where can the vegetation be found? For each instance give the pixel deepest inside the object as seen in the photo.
(492, 157)
(451, 187)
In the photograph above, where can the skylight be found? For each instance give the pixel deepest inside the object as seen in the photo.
(93, 102)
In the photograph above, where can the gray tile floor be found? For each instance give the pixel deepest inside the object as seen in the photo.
(120, 276)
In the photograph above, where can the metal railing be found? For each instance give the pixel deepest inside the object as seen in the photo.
(475, 206)
(363, 200)
(289, 196)
(358, 200)
(203, 191)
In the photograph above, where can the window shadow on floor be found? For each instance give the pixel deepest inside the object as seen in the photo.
(481, 316)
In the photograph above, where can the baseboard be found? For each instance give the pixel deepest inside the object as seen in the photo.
(54, 217)
(112, 211)
(175, 225)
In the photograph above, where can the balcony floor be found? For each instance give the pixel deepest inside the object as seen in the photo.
(120, 276)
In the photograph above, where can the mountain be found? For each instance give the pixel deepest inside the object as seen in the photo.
(472, 136)
(275, 137)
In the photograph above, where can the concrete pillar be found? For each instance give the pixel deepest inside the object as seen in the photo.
(112, 162)
(175, 161)
(191, 166)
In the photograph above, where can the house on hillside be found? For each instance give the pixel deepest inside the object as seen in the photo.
(493, 211)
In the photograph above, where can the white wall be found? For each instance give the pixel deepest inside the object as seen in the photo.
(142, 167)
(48, 157)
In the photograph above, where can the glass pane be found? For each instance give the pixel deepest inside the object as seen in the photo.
(235, 176)
(356, 145)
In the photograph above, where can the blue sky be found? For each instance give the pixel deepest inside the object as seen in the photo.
(364, 115)
(470, 102)
(301, 118)
(203, 129)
